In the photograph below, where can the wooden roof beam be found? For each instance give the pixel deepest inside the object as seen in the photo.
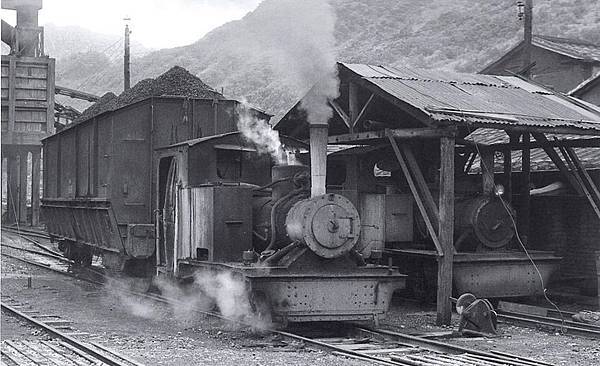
(533, 129)
(404, 133)
(340, 112)
(591, 142)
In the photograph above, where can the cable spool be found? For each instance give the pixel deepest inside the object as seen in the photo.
(329, 224)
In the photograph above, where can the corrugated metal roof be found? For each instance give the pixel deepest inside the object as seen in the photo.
(589, 156)
(573, 48)
(404, 73)
(479, 99)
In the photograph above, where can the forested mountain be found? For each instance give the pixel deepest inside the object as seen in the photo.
(462, 35)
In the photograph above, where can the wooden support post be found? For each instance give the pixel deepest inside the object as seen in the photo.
(50, 90)
(487, 171)
(363, 110)
(11, 189)
(340, 112)
(420, 180)
(507, 172)
(578, 172)
(35, 187)
(22, 196)
(560, 164)
(470, 161)
(446, 231)
(591, 185)
(525, 199)
(508, 189)
(12, 76)
(352, 104)
(416, 195)
(318, 158)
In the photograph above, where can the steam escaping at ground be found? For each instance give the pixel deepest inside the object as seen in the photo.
(221, 291)
(183, 301)
(134, 305)
(230, 295)
(299, 43)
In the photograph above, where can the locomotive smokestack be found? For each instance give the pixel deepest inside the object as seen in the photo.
(318, 158)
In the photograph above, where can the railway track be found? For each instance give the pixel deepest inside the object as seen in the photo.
(392, 348)
(566, 326)
(60, 349)
(373, 345)
(23, 231)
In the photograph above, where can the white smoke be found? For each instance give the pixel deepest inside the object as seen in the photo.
(260, 133)
(231, 296)
(183, 300)
(222, 291)
(120, 290)
(298, 42)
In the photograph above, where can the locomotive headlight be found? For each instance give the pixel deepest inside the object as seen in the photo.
(499, 190)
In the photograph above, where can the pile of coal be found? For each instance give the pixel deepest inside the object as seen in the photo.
(175, 82)
(107, 102)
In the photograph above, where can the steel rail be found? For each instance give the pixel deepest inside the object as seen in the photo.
(66, 338)
(595, 328)
(431, 344)
(584, 329)
(352, 353)
(35, 242)
(49, 255)
(427, 344)
(12, 229)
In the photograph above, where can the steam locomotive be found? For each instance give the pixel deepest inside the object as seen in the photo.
(168, 186)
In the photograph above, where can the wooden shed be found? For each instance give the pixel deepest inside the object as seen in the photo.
(558, 63)
(420, 120)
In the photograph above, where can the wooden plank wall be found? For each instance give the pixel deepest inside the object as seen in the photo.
(27, 92)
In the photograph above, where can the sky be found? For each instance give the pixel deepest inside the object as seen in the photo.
(154, 23)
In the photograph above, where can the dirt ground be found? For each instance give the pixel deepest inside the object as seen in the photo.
(157, 334)
(160, 339)
(547, 345)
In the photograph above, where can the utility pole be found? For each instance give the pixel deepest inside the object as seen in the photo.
(527, 36)
(126, 71)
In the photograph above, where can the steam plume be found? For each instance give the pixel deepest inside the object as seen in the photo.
(299, 43)
(260, 133)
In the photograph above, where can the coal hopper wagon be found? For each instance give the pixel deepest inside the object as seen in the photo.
(168, 186)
